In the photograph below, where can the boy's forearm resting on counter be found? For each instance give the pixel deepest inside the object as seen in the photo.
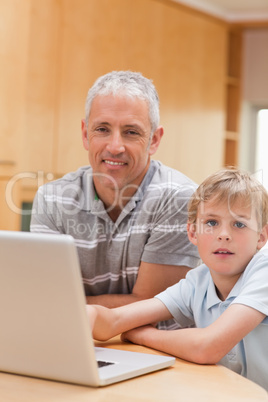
(200, 345)
(106, 323)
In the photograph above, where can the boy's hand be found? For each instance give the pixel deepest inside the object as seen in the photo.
(92, 315)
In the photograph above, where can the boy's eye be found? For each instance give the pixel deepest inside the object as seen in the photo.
(239, 225)
(211, 222)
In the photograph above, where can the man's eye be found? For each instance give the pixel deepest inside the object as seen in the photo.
(239, 225)
(211, 222)
(132, 132)
(101, 129)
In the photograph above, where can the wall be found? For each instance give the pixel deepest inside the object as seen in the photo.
(255, 83)
(183, 52)
(254, 90)
(64, 45)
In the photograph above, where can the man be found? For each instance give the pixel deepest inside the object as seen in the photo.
(127, 213)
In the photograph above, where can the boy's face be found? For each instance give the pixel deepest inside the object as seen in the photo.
(227, 237)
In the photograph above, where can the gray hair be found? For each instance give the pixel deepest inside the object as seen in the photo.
(126, 83)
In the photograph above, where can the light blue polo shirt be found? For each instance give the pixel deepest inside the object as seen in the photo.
(193, 302)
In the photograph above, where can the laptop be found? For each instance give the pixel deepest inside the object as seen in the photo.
(45, 331)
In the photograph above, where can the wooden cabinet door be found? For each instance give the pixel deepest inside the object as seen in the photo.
(10, 212)
(14, 22)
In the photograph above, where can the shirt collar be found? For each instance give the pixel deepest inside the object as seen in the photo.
(90, 201)
(213, 298)
(89, 195)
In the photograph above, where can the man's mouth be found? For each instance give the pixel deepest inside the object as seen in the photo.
(114, 163)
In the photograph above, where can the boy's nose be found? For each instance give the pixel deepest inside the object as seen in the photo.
(115, 143)
(224, 235)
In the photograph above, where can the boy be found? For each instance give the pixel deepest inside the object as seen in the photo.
(221, 306)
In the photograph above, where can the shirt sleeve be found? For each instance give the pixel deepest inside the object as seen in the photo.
(180, 299)
(168, 242)
(44, 212)
(254, 290)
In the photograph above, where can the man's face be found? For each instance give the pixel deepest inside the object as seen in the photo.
(118, 142)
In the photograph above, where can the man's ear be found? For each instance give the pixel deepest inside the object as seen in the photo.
(155, 141)
(263, 237)
(191, 231)
(84, 134)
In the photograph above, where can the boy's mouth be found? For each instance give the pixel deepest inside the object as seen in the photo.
(223, 251)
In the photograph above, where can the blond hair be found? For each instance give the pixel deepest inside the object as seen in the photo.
(231, 185)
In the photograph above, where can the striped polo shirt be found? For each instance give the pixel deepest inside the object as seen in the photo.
(150, 228)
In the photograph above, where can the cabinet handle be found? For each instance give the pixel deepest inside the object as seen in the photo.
(7, 162)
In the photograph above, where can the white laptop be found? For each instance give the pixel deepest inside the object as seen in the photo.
(44, 328)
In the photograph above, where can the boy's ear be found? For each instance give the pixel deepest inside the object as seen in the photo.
(263, 237)
(191, 230)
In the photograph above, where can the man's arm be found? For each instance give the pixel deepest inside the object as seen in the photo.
(201, 345)
(152, 279)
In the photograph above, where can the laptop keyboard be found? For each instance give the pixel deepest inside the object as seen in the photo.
(103, 364)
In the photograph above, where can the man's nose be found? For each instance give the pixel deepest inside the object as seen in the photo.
(115, 143)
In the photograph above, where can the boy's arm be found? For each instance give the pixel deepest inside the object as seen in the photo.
(201, 345)
(106, 323)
